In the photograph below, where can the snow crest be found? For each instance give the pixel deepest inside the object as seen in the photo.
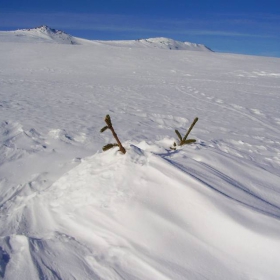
(158, 207)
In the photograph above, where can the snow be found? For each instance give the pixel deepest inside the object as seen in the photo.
(45, 34)
(210, 210)
(158, 43)
(42, 34)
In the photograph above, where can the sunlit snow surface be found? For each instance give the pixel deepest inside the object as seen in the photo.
(210, 210)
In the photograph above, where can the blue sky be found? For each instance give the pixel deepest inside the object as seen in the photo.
(249, 27)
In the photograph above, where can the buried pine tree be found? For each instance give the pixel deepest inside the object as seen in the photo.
(110, 126)
(184, 141)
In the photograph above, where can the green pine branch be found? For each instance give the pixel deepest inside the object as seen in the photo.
(109, 146)
(190, 129)
(110, 126)
(185, 141)
(104, 128)
(179, 135)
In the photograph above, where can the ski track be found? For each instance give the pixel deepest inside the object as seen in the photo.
(218, 103)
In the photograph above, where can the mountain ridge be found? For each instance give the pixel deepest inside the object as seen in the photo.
(46, 34)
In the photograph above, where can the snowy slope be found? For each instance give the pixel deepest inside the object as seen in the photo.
(210, 210)
(41, 34)
(45, 34)
(158, 43)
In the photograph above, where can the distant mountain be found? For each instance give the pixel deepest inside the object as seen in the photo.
(45, 34)
(160, 43)
(41, 34)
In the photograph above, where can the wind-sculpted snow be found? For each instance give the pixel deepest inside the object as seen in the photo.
(210, 210)
(105, 218)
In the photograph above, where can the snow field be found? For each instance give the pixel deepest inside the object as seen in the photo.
(206, 211)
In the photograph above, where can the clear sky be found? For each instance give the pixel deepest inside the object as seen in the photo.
(238, 26)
